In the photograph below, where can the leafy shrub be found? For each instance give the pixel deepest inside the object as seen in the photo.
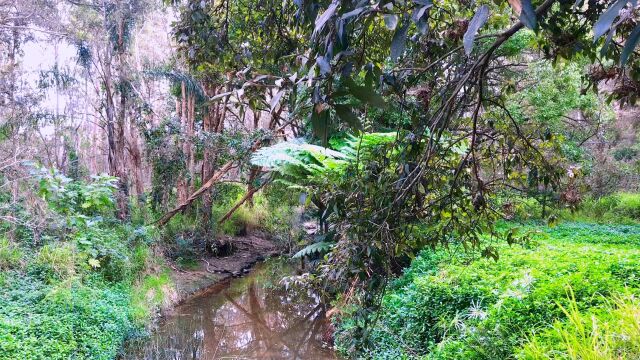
(70, 197)
(54, 262)
(10, 254)
(616, 208)
(105, 250)
(67, 321)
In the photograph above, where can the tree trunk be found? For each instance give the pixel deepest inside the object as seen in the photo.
(210, 125)
(183, 183)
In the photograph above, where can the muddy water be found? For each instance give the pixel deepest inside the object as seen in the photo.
(253, 317)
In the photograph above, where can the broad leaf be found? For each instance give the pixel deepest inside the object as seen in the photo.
(352, 13)
(326, 15)
(606, 19)
(528, 15)
(345, 114)
(365, 94)
(399, 41)
(420, 17)
(275, 100)
(524, 9)
(390, 21)
(323, 65)
(479, 19)
(630, 45)
(320, 122)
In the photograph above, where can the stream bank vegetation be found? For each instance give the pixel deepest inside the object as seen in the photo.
(459, 179)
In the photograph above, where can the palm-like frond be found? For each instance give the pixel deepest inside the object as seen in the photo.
(177, 77)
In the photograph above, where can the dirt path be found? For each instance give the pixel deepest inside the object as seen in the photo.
(212, 271)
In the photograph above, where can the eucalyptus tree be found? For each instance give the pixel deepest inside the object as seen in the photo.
(105, 54)
(223, 44)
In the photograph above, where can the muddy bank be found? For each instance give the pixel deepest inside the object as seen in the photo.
(213, 271)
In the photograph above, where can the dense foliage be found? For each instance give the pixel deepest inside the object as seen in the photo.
(81, 288)
(407, 131)
(449, 306)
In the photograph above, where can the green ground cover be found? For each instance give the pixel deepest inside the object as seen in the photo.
(525, 305)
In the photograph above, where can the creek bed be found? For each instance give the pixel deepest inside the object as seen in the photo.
(253, 317)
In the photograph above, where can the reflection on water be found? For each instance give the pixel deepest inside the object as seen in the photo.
(252, 318)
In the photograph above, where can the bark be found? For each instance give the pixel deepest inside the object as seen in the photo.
(210, 124)
(183, 183)
(136, 160)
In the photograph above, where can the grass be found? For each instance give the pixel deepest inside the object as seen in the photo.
(610, 335)
(151, 293)
(445, 307)
(10, 254)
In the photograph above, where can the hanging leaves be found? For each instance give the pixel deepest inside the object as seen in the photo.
(390, 21)
(525, 11)
(320, 121)
(479, 19)
(630, 45)
(365, 94)
(275, 100)
(323, 65)
(606, 19)
(345, 114)
(420, 16)
(326, 15)
(399, 42)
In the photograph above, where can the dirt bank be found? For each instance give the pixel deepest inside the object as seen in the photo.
(214, 270)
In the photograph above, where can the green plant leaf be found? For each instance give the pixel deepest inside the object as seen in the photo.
(630, 45)
(345, 114)
(479, 19)
(606, 19)
(399, 42)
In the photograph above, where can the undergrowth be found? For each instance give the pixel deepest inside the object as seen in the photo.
(447, 307)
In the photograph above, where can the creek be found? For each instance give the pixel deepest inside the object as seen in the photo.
(252, 317)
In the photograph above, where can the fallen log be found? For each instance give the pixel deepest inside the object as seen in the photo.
(206, 186)
(214, 179)
(242, 201)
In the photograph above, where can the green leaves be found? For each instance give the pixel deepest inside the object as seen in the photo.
(399, 41)
(630, 45)
(324, 17)
(345, 114)
(365, 94)
(528, 15)
(603, 25)
(525, 11)
(320, 122)
(319, 248)
(479, 19)
(390, 21)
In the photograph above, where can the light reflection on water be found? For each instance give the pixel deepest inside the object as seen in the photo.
(251, 318)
